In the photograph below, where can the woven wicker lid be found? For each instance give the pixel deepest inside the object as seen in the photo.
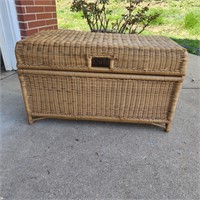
(86, 51)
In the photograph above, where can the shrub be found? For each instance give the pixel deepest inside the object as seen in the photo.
(134, 21)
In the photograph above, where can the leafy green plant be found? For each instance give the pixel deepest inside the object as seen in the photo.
(97, 14)
(171, 22)
(192, 22)
(160, 19)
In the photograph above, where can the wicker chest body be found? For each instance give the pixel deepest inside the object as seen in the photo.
(100, 76)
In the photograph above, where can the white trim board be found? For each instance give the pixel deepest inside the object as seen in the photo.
(9, 33)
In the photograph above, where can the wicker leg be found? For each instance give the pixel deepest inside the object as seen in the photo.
(30, 119)
(168, 127)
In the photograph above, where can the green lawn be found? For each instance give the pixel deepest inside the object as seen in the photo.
(179, 20)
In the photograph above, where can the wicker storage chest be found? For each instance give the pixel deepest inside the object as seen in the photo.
(100, 76)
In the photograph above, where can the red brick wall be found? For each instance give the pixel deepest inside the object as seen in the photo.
(36, 15)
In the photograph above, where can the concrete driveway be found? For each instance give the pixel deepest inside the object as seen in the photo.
(59, 159)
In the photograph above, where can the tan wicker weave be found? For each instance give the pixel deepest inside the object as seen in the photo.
(59, 80)
(73, 50)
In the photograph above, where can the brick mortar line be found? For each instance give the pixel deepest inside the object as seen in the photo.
(25, 8)
(33, 6)
(38, 27)
(36, 20)
(22, 14)
(36, 13)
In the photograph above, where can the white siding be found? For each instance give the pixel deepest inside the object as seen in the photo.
(9, 32)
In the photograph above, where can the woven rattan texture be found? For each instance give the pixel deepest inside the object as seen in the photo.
(72, 50)
(97, 96)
